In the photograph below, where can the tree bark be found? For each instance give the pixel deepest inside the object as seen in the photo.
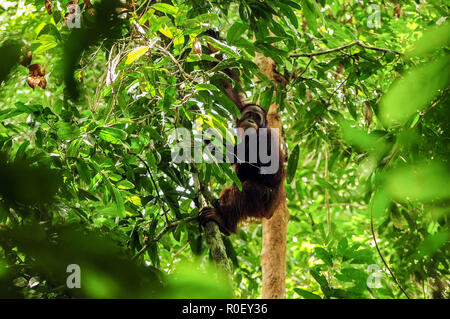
(273, 254)
(214, 237)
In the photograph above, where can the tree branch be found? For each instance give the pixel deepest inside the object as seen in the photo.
(381, 255)
(349, 45)
(161, 233)
(212, 232)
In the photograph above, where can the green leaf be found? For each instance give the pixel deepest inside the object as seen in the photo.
(236, 31)
(342, 246)
(50, 29)
(20, 154)
(291, 3)
(112, 211)
(415, 90)
(8, 113)
(361, 256)
(432, 40)
(324, 255)
(152, 228)
(66, 131)
(136, 54)
(352, 109)
(354, 274)
(57, 16)
(166, 8)
(321, 280)
(171, 197)
(325, 184)
(73, 149)
(266, 98)
(111, 134)
(28, 108)
(306, 294)
(309, 10)
(221, 46)
(169, 94)
(276, 28)
(125, 185)
(178, 230)
(433, 243)
(423, 181)
(47, 42)
(202, 87)
(84, 171)
(226, 168)
(154, 256)
(292, 164)
(290, 14)
(225, 102)
(119, 202)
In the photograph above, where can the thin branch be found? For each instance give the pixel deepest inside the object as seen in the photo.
(299, 76)
(334, 92)
(356, 43)
(149, 173)
(371, 218)
(167, 53)
(154, 184)
(327, 192)
(381, 255)
(161, 233)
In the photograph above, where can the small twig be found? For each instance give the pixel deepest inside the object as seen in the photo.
(381, 255)
(154, 184)
(327, 192)
(167, 53)
(334, 92)
(342, 204)
(356, 43)
(149, 173)
(161, 233)
(300, 77)
(371, 213)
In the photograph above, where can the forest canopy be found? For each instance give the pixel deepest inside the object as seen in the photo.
(94, 93)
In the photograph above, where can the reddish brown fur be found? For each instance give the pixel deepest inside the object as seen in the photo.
(260, 193)
(258, 199)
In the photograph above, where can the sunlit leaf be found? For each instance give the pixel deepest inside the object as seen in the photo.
(415, 90)
(166, 8)
(111, 134)
(135, 54)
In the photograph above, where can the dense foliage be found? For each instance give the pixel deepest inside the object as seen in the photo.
(86, 175)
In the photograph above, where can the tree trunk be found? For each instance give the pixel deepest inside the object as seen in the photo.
(214, 237)
(273, 254)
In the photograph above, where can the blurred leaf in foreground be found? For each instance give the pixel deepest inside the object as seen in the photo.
(25, 184)
(193, 282)
(10, 54)
(105, 270)
(104, 25)
(414, 91)
(431, 41)
(423, 182)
